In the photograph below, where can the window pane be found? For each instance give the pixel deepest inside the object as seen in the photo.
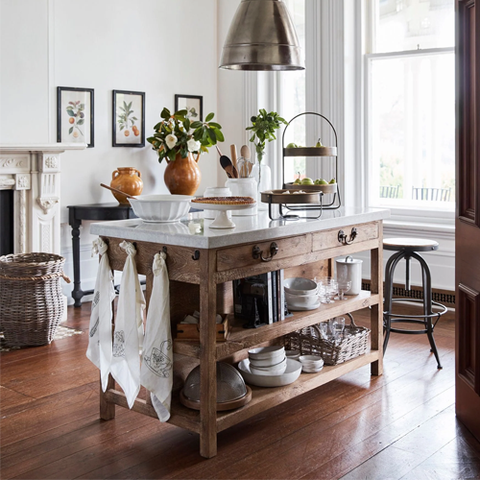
(413, 24)
(292, 85)
(412, 128)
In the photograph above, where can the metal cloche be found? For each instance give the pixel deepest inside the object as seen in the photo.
(262, 36)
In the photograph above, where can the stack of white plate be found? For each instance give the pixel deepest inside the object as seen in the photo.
(268, 361)
(301, 294)
(311, 363)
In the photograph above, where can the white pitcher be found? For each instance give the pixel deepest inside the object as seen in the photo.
(350, 269)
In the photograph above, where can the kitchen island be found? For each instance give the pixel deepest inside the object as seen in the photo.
(202, 262)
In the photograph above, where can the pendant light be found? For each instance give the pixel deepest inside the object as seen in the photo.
(262, 36)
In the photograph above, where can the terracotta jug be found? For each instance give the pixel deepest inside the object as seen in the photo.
(182, 176)
(128, 180)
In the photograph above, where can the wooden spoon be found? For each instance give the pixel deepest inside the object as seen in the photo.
(228, 166)
(233, 153)
(116, 191)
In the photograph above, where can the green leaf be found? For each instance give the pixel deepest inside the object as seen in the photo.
(213, 137)
(215, 125)
(209, 117)
(81, 121)
(171, 155)
(165, 113)
(219, 135)
(70, 130)
(196, 124)
(182, 113)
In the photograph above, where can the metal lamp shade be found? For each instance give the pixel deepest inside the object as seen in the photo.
(262, 37)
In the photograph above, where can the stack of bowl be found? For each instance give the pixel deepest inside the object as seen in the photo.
(311, 363)
(301, 294)
(268, 361)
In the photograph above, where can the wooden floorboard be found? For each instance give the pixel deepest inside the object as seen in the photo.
(399, 425)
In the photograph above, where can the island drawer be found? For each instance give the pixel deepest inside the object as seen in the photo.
(256, 253)
(338, 237)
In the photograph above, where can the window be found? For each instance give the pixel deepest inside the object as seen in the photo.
(292, 95)
(410, 110)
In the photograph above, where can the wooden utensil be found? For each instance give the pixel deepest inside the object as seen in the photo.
(247, 167)
(116, 191)
(233, 153)
(227, 165)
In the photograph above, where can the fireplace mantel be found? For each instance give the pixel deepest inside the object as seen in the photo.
(33, 172)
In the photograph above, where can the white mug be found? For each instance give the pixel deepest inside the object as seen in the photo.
(350, 269)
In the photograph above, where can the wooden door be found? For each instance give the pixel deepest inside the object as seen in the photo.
(467, 234)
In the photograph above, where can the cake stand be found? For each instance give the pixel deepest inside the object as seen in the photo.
(221, 218)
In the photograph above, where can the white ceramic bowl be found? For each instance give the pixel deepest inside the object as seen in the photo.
(277, 369)
(301, 300)
(293, 354)
(160, 208)
(293, 371)
(300, 286)
(272, 353)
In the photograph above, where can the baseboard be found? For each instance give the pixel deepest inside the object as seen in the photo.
(445, 297)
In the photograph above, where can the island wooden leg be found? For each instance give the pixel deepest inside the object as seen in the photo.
(107, 409)
(376, 286)
(208, 366)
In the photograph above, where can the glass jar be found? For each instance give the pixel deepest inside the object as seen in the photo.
(262, 174)
(243, 187)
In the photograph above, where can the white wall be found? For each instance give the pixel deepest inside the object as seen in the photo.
(159, 47)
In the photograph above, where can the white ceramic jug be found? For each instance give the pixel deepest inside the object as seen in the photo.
(350, 269)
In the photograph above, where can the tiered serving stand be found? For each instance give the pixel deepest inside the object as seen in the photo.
(312, 196)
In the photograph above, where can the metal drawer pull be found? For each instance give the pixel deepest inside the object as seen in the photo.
(343, 237)
(256, 252)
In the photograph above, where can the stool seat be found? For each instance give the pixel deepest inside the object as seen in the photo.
(413, 244)
(406, 249)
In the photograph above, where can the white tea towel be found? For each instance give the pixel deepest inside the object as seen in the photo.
(99, 350)
(157, 365)
(128, 329)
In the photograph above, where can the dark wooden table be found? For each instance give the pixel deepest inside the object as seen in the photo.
(96, 211)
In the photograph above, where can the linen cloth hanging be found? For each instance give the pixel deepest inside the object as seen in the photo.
(99, 350)
(128, 333)
(157, 366)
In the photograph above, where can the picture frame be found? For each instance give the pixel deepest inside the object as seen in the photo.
(75, 115)
(189, 102)
(128, 115)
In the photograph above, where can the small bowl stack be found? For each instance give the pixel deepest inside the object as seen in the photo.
(301, 294)
(311, 363)
(268, 361)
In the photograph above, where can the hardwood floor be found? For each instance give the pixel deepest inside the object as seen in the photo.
(399, 425)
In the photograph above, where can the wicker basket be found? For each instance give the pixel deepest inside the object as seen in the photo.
(309, 341)
(31, 303)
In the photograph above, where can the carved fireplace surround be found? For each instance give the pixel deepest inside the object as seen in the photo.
(33, 172)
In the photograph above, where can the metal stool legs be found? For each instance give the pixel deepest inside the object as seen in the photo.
(428, 314)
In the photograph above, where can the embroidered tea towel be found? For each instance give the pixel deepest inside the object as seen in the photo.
(157, 365)
(99, 350)
(126, 343)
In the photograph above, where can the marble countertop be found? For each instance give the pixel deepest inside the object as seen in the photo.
(194, 231)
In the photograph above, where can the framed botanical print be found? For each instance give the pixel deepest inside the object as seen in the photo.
(75, 115)
(128, 129)
(192, 103)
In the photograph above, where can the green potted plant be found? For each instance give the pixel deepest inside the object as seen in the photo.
(263, 130)
(176, 139)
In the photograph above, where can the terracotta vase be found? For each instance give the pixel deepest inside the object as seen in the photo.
(182, 176)
(128, 180)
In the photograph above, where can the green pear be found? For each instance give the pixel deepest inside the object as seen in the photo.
(297, 181)
(319, 143)
(321, 181)
(307, 181)
(332, 181)
(292, 145)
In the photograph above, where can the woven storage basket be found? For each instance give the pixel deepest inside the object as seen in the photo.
(309, 341)
(31, 303)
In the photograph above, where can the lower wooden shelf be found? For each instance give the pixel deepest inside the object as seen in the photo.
(240, 338)
(265, 398)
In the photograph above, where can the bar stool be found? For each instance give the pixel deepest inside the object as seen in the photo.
(407, 249)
